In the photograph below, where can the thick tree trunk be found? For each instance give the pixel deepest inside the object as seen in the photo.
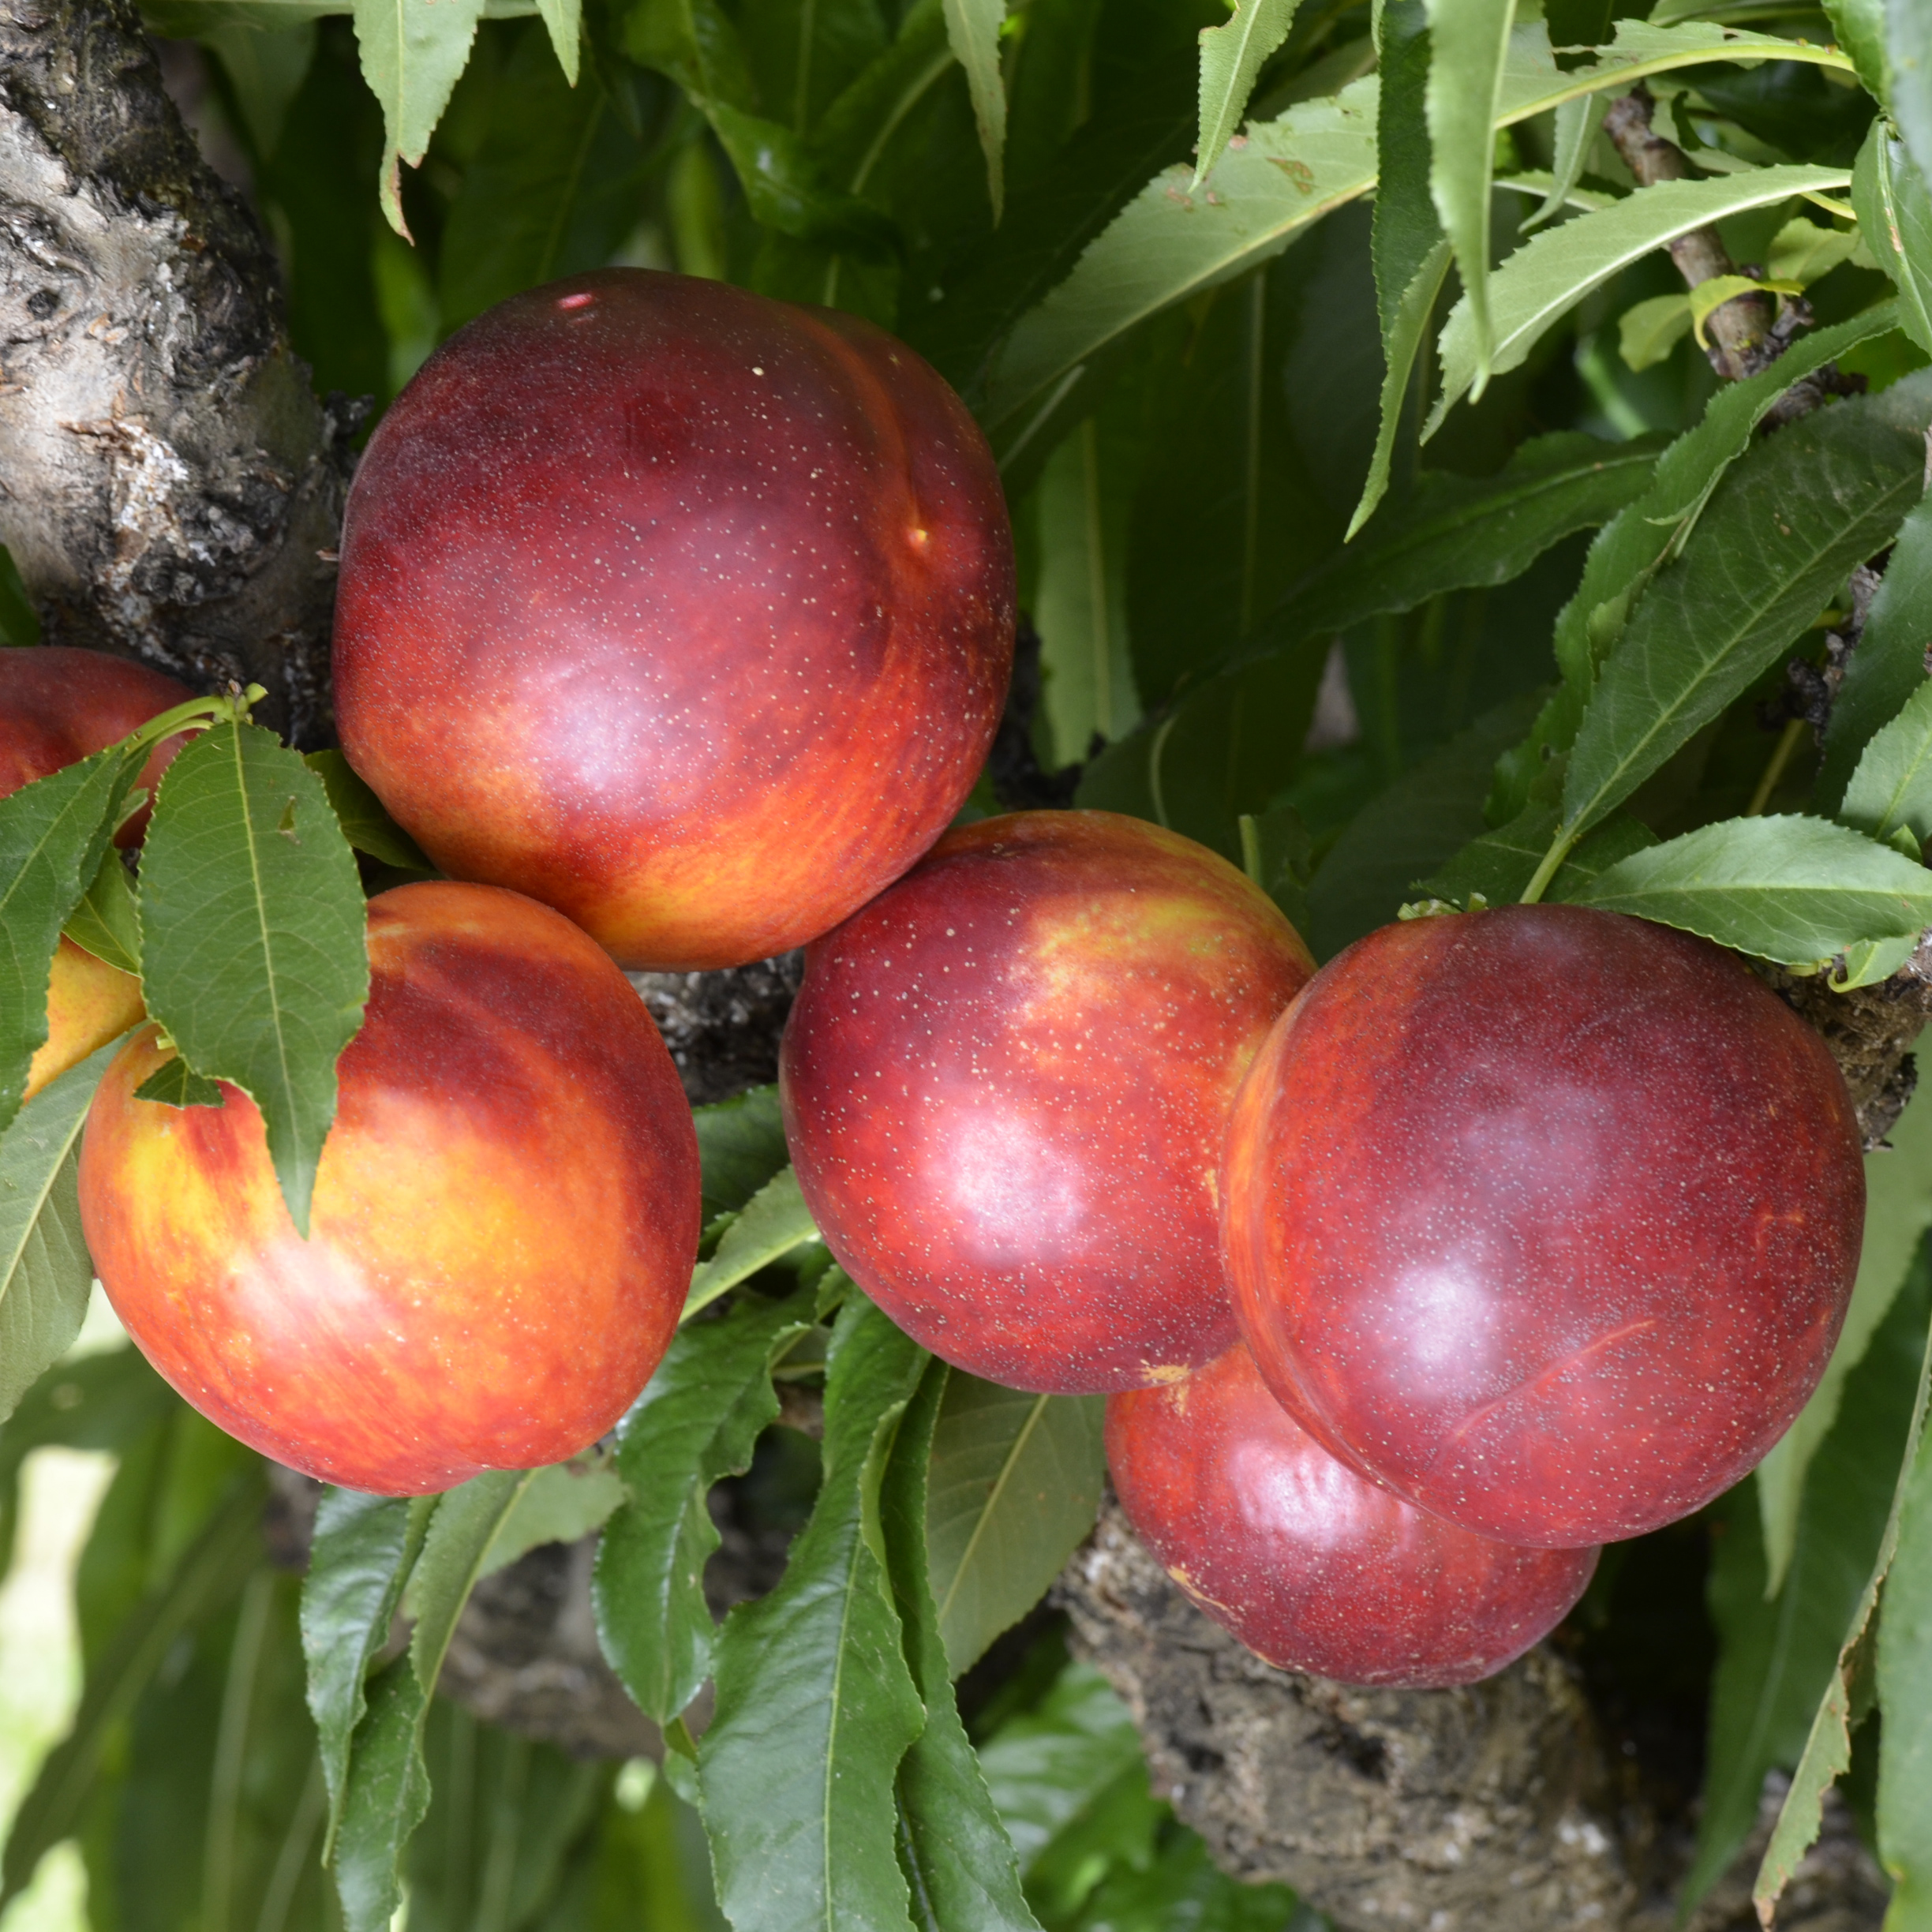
(171, 490)
(169, 485)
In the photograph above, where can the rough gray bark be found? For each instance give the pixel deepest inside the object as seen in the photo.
(168, 482)
(169, 486)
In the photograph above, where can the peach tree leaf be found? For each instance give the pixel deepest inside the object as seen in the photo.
(1777, 1653)
(1895, 215)
(1231, 56)
(1909, 46)
(1789, 889)
(1898, 1209)
(816, 1705)
(255, 956)
(1015, 1484)
(106, 922)
(563, 1504)
(973, 31)
(1904, 1685)
(20, 622)
(45, 1273)
(1788, 521)
(52, 835)
(773, 1222)
(741, 1146)
(1893, 786)
(365, 824)
(412, 52)
(965, 1874)
(698, 1419)
(1470, 41)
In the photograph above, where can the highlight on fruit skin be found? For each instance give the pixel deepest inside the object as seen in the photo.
(1311, 1566)
(686, 611)
(1005, 1084)
(1545, 1217)
(504, 1221)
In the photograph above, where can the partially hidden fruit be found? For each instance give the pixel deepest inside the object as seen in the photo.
(1545, 1217)
(502, 1229)
(1312, 1567)
(1005, 1084)
(58, 705)
(685, 611)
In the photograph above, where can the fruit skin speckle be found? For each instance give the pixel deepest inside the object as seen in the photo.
(1545, 1216)
(1311, 1566)
(629, 620)
(1005, 1083)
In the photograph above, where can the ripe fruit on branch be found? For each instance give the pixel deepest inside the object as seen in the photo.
(687, 612)
(504, 1220)
(1005, 1084)
(1545, 1217)
(57, 705)
(1311, 1566)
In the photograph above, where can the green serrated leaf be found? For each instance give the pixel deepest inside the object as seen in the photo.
(564, 22)
(1647, 332)
(563, 1504)
(741, 1146)
(1904, 1682)
(699, 1420)
(1908, 45)
(1015, 1483)
(1401, 347)
(1860, 27)
(52, 835)
(385, 1793)
(248, 884)
(774, 1221)
(106, 922)
(816, 1706)
(1554, 269)
(1577, 123)
(1898, 1209)
(45, 1274)
(20, 622)
(363, 1550)
(1290, 173)
(1470, 40)
(1888, 668)
(412, 52)
(1892, 789)
(1894, 218)
(973, 31)
(365, 824)
(1500, 864)
(175, 1083)
(1230, 58)
(207, 1574)
(965, 1876)
(1789, 889)
(1777, 1655)
(1788, 521)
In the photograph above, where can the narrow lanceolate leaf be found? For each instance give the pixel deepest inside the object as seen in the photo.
(1892, 785)
(207, 1574)
(1577, 123)
(1895, 216)
(1230, 58)
(1777, 1654)
(1905, 1706)
(1168, 244)
(1827, 1752)
(563, 1503)
(973, 30)
(698, 1419)
(816, 1705)
(247, 882)
(364, 1548)
(412, 52)
(964, 1875)
(564, 20)
(106, 922)
(1908, 42)
(1401, 345)
(1553, 271)
(1015, 1483)
(1860, 27)
(741, 1146)
(52, 834)
(774, 1221)
(1898, 1209)
(1773, 544)
(365, 824)
(386, 1790)
(1888, 666)
(1793, 890)
(45, 1274)
(1470, 39)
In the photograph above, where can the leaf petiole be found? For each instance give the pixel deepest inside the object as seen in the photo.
(1552, 862)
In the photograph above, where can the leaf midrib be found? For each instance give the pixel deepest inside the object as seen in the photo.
(267, 947)
(1582, 818)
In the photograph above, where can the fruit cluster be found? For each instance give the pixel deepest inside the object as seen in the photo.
(674, 624)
